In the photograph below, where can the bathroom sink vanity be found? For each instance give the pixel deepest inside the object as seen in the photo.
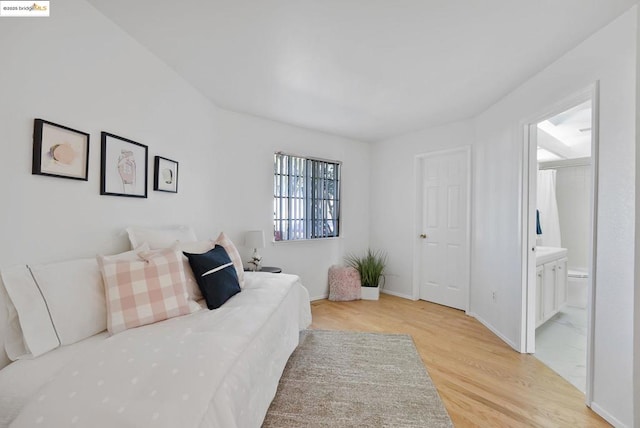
(551, 282)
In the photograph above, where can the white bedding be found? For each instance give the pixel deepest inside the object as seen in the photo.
(210, 369)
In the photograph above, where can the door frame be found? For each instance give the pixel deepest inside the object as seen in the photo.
(417, 228)
(527, 223)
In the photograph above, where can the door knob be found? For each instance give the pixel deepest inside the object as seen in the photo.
(423, 235)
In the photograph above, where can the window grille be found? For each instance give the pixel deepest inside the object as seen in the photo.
(306, 201)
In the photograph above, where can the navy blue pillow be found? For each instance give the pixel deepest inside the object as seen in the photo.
(215, 274)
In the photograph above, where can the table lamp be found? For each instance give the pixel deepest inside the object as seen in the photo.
(255, 239)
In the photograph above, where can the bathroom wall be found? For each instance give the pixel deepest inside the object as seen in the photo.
(573, 192)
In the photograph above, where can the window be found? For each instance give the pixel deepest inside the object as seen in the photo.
(306, 199)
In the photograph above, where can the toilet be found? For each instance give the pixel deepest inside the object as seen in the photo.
(577, 284)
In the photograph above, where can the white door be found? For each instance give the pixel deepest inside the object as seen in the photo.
(443, 228)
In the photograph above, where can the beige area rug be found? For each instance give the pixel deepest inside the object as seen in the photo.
(345, 379)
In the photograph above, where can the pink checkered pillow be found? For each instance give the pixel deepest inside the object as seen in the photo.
(144, 291)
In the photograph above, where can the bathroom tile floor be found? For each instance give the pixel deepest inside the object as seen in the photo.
(561, 344)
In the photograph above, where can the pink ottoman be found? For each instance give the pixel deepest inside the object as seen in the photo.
(344, 284)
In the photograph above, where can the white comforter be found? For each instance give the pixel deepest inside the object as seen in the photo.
(213, 368)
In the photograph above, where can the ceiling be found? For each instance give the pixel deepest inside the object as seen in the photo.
(364, 69)
(566, 135)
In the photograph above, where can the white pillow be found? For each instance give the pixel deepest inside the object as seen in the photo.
(128, 255)
(55, 304)
(160, 238)
(5, 303)
(74, 293)
(32, 334)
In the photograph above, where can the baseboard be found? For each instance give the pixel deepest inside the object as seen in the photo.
(395, 293)
(607, 416)
(324, 296)
(494, 331)
(392, 293)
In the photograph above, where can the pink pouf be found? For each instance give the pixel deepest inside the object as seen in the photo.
(344, 284)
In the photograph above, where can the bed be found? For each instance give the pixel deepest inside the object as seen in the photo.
(211, 368)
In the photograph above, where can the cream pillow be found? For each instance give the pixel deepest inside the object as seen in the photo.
(198, 247)
(234, 255)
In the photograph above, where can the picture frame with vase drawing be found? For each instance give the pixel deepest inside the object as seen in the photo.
(124, 166)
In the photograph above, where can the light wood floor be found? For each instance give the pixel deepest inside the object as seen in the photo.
(481, 380)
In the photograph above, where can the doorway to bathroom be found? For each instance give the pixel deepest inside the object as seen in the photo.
(559, 226)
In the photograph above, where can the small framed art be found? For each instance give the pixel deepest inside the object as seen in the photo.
(59, 151)
(124, 166)
(165, 178)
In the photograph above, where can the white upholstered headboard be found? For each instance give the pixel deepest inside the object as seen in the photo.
(4, 315)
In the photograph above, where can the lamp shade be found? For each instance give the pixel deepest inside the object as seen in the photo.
(254, 239)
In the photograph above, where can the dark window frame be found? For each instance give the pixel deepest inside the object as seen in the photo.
(307, 198)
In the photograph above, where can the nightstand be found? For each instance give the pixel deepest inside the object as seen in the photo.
(270, 269)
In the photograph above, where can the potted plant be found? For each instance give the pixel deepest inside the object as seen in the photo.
(371, 268)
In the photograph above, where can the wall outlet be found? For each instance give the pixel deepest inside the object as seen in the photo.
(494, 296)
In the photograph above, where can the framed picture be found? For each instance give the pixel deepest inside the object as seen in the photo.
(165, 178)
(123, 169)
(60, 151)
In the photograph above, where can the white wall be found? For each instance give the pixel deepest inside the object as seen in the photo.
(251, 144)
(610, 57)
(393, 184)
(79, 69)
(636, 348)
(573, 192)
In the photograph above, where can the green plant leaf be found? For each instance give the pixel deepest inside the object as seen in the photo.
(370, 266)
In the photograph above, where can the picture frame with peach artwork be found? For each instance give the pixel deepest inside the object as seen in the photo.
(60, 151)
